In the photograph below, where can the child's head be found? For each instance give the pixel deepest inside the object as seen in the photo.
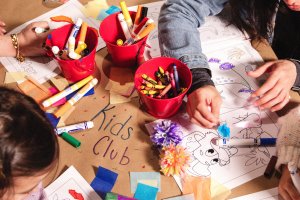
(28, 144)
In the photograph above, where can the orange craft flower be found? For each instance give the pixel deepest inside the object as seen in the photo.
(174, 160)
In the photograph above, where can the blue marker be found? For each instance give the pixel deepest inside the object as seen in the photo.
(246, 142)
(176, 78)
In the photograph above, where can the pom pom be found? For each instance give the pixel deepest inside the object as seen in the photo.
(166, 133)
(174, 160)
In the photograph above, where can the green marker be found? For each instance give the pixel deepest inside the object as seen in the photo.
(70, 139)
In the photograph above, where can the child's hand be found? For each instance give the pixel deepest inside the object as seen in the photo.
(274, 93)
(2, 29)
(204, 106)
(286, 187)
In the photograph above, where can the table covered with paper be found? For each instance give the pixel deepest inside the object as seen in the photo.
(120, 140)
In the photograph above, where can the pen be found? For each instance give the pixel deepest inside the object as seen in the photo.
(126, 14)
(294, 175)
(75, 127)
(67, 91)
(58, 113)
(245, 142)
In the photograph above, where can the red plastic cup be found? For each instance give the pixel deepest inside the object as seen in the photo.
(74, 70)
(162, 108)
(123, 56)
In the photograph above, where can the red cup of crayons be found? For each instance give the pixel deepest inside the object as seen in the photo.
(162, 84)
(73, 46)
(125, 34)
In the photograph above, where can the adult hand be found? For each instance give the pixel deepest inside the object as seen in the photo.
(274, 93)
(31, 42)
(204, 105)
(2, 29)
(286, 187)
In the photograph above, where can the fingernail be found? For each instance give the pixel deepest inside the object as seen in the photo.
(3, 24)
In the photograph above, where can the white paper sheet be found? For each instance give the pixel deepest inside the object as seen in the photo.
(43, 68)
(70, 180)
(271, 194)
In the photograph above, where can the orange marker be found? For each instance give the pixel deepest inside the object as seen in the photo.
(83, 31)
(140, 35)
(62, 110)
(137, 18)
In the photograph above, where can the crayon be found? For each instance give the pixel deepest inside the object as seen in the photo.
(48, 102)
(165, 91)
(63, 109)
(149, 79)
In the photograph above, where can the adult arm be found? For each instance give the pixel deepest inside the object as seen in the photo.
(30, 43)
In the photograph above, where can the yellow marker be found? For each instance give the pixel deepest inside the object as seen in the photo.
(126, 14)
(66, 92)
(80, 48)
(63, 109)
(119, 42)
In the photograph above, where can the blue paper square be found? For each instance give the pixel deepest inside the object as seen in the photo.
(54, 121)
(145, 192)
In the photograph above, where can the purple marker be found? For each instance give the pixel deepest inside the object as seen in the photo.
(245, 142)
(176, 78)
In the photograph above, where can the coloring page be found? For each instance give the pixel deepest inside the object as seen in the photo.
(70, 180)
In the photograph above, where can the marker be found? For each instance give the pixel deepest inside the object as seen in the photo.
(137, 17)
(63, 109)
(245, 142)
(71, 140)
(126, 14)
(140, 35)
(176, 78)
(294, 175)
(124, 26)
(67, 91)
(75, 30)
(39, 30)
(149, 21)
(143, 13)
(75, 127)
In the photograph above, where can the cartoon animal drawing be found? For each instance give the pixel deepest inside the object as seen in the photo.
(204, 153)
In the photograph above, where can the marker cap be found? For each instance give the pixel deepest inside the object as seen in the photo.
(71, 140)
(90, 124)
(268, 141)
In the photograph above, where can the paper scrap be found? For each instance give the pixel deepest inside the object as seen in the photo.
(65, 116)
(152, 183)
(70, 179)
(12, 77)
(145, 192)
(271, 194)
(218, 190)
(104, 181)
(33, 91)
(124, 90)
(135, 177)
(92, 8)
(52, 119)
(59, 83)
(115, 98)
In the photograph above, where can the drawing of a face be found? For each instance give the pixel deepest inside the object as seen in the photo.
(205, 153)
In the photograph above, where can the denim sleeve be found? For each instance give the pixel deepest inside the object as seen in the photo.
(177, 29)
(296, 85)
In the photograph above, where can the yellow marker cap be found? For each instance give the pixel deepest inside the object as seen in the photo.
(119, 42)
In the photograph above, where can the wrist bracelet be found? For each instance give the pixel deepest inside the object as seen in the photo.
(15, 43)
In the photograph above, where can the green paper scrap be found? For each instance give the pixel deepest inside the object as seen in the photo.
(145, 192)
(142, 177)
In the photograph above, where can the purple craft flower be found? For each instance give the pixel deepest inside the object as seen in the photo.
(166, 133)
(226, 66)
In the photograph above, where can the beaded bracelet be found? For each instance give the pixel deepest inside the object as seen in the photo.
(15, 43)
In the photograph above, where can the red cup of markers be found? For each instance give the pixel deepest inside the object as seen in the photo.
(162, 108)
(123, 56)
(74, 70)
